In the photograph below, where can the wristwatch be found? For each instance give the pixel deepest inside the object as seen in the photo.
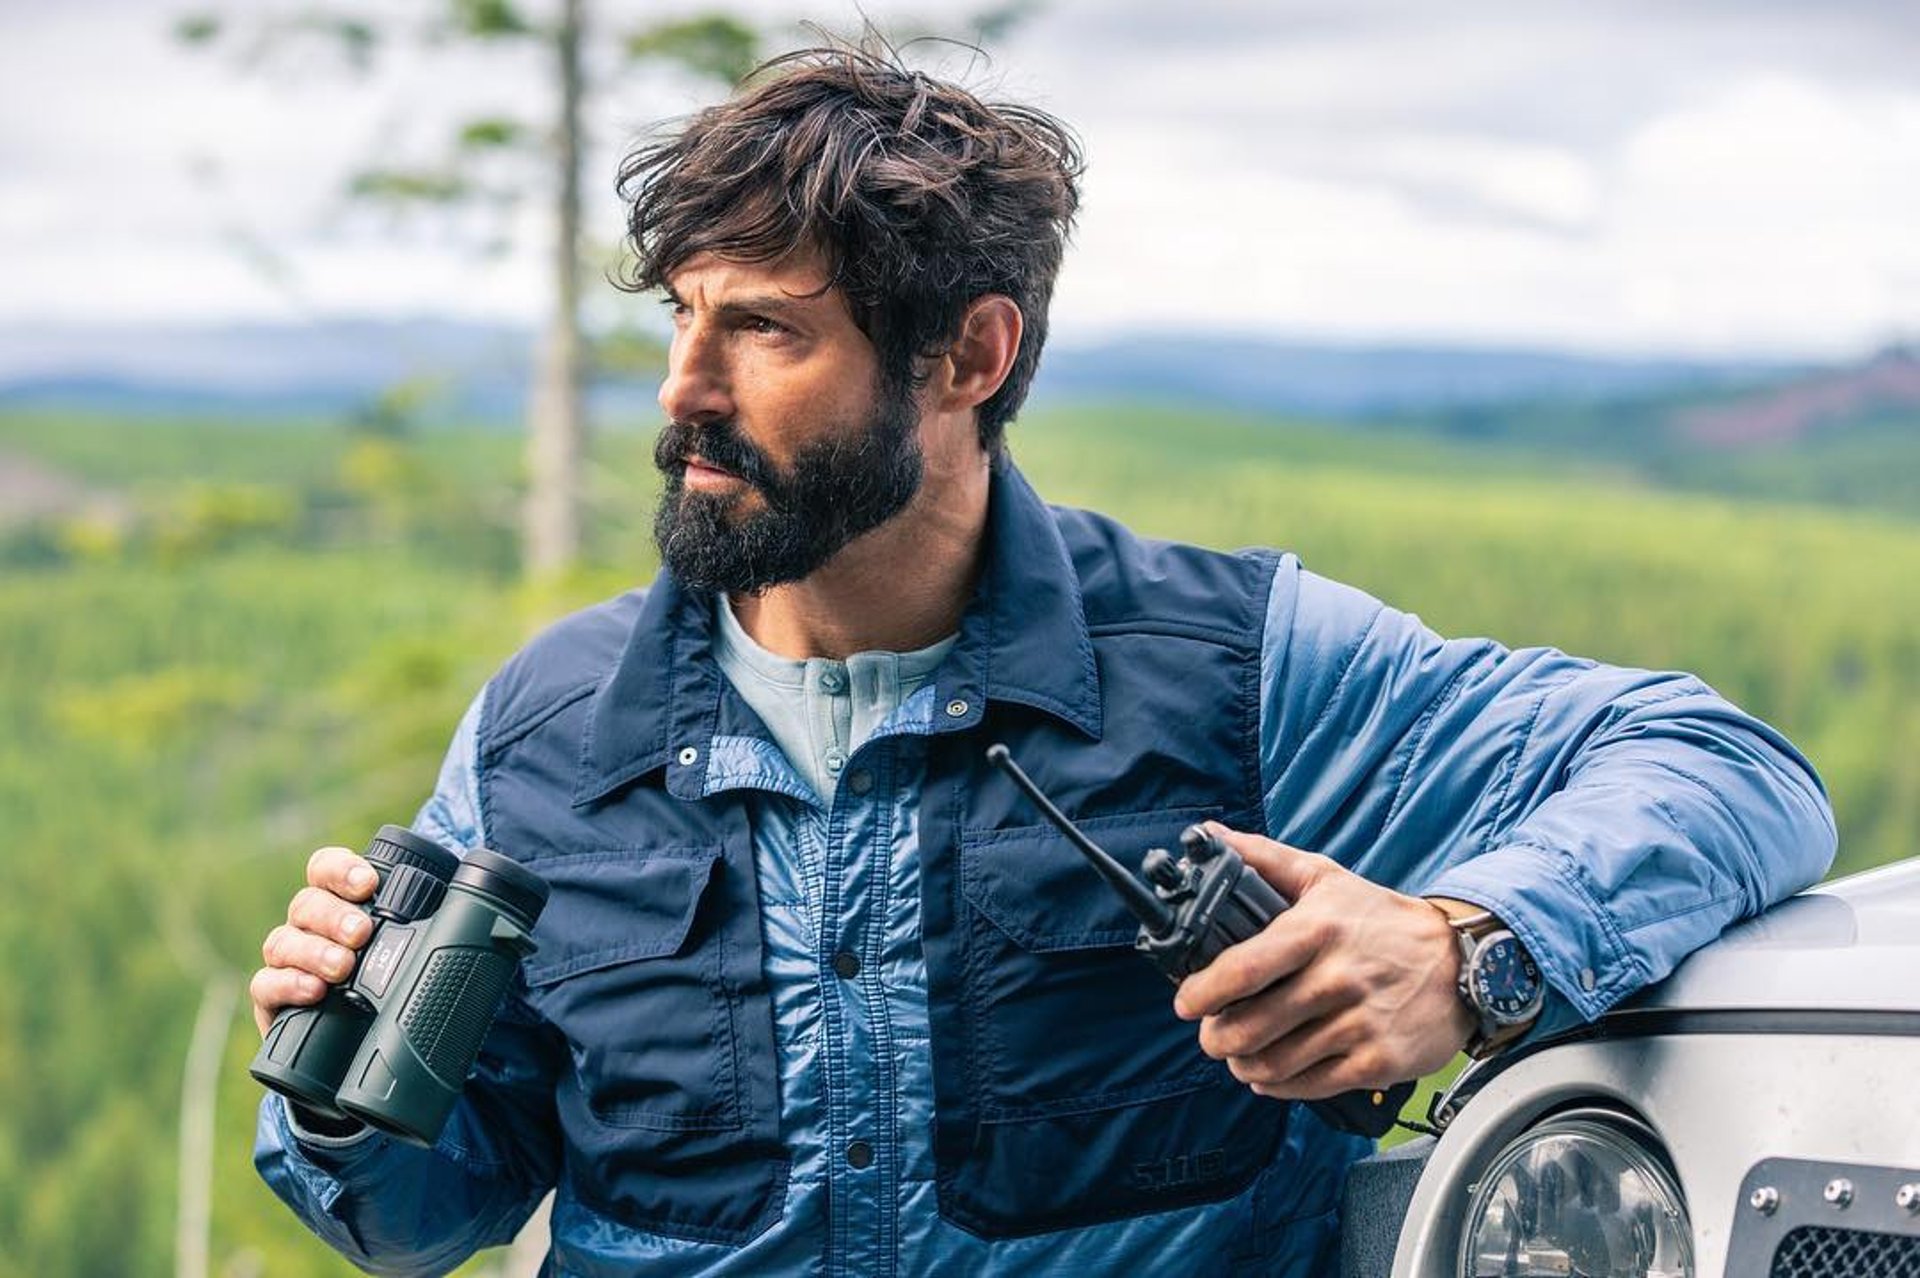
(1499, 981)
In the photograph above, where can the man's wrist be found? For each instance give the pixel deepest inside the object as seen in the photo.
(319, 1131)
(1497, 980)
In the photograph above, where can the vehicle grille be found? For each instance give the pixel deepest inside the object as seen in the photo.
(1819, 1251)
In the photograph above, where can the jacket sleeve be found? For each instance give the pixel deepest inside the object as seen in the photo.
(395, 1208)
(1615, 819)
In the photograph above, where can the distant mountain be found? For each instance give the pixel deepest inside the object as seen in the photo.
(1363, 383)
(1846, 436)
(121, 396)
(1837, 435)
(1886, 386)
(270, 370)
(340, 366)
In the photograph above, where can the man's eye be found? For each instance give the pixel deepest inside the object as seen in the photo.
(763, 324)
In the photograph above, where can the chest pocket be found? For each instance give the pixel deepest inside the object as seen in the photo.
(1092, 1101)
(1051, 947)
(645, 1012)
(651, 972)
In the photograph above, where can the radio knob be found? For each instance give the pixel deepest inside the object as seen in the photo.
(1162, 870)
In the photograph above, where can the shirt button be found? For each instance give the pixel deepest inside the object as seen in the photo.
(846, 965)
(835, 760)
(859, 1155)
(860, 780)
(831, 680)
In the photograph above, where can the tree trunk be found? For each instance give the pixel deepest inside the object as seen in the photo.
(199, 1086)
(557, 428)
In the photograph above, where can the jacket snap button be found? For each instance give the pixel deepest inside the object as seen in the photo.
(688, 756)
(846, 965)
(859, 1155)
(956, 708)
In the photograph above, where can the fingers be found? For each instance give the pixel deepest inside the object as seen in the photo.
(322, 913)
(288, 946)
(275, 988)
(344, 873)
(1326, 1059)
(1354, 985)
(1320, 1059)
(1287, 945)
(315, 946)
(1292, 872)
(1253, 1025)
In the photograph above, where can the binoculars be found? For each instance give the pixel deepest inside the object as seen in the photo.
(392, 1045)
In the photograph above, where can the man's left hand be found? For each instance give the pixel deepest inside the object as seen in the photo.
(1353, 986)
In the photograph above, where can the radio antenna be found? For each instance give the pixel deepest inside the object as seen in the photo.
(1156, 914)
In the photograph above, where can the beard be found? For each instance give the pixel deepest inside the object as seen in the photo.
(838, 487)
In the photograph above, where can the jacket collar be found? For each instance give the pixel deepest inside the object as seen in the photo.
(1023, 638)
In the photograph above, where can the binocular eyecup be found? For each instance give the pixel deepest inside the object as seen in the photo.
(513, 889)
(414, 873)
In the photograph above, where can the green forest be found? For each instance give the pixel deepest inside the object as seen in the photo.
(235, 642)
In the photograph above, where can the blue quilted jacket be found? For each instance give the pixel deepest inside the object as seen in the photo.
(904, 1031)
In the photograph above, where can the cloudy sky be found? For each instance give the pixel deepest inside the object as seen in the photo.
(1614, 175)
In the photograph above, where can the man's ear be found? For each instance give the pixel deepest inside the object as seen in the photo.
(981, 354)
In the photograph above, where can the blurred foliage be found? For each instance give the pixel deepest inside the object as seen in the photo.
(491, 132)
(714, 45)
(489, 18)
(629, 352)
(197, 28)
(396, 410)
(491, 162)
(141, 714)
(272, 649)
(408, 186)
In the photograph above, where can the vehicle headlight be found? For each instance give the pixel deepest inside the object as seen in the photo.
(1578, 1195)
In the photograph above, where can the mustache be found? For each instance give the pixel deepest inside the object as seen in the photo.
(719, 443)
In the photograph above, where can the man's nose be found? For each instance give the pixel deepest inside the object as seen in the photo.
(695, 387)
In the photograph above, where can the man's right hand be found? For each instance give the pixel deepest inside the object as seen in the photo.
(314, 947)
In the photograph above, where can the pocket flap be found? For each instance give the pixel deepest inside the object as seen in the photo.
(1041, 891)
(616, 906)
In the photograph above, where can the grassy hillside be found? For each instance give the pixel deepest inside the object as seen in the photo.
(264, 642)
(1870, 460)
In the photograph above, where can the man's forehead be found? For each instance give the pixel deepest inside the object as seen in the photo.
(801, 275)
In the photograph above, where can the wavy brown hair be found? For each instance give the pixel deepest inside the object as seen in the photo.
(921, 196)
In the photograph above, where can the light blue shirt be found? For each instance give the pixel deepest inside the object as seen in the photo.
(820, 710)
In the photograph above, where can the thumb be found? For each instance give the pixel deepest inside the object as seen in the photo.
(1291, 871)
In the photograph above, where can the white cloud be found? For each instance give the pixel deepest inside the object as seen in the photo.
(1778, 213)
(1217, 245)
(1716, 177)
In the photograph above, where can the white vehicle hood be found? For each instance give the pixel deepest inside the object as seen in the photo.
(1851, 945)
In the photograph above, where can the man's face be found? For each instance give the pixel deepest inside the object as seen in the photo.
(782, 442)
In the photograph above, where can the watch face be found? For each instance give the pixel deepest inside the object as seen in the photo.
(1506, 984)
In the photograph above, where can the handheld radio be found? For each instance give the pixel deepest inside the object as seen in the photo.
(1197, 906)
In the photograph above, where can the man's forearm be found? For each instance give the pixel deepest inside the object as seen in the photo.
(1678, 817)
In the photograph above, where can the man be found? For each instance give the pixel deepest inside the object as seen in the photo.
(815, 991)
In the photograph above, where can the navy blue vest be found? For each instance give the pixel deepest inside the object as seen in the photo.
(1122, 673)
